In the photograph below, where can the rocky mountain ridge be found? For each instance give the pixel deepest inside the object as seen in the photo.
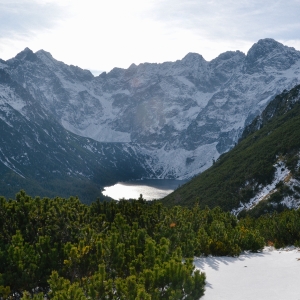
(261, 173)
(176, 117)
(280, 105)
(39, 155)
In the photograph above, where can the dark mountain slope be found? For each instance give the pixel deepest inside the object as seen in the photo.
(192, 110)
(67, 132)
(241, 174)
(39, 155)
(278, 106)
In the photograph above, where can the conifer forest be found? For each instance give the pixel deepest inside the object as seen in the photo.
(63, 249)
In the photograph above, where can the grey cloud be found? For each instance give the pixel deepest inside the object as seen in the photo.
(23, 17)
(232, 19)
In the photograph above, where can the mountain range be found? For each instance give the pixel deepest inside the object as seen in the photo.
(60, 124)
(261, 173)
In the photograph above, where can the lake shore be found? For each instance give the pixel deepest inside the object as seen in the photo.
(150, 189)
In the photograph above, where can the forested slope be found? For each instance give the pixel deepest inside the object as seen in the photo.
(121, 250)
(111, 250)
(239, 175)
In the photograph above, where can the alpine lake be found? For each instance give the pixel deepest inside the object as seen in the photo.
(150, 189)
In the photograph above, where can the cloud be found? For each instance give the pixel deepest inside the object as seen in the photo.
(231, 19)
(100, 35)
(23, 18)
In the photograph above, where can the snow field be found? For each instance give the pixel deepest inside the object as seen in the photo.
(270, 274)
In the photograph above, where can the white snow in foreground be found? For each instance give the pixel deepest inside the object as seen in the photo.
(270, 274)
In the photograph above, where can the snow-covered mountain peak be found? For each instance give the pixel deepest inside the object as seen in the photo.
(132, 66)
(270, 53)
(263, 47)
(180, 107)
(61, 69)
(116, 73)
(44, 53)
(82, 74)
(193, 61)
(228, 55)
(25, 55)
(193, 57)
(48, 60)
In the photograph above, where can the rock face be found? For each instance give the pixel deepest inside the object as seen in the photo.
(38, 154)
(180, 115)
(280, 105)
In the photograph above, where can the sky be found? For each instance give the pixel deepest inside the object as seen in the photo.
(99, 35)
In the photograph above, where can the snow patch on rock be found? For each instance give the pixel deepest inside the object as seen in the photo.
(281, 173)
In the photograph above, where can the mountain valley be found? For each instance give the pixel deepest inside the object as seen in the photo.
(169, 120)
(261, 173)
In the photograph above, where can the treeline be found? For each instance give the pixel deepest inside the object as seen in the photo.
(51, 186)
(277, 229)
(63, 249)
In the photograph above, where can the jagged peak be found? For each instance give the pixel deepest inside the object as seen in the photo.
(102, 75)
(264, 47)
(268, 52)
(27, 50)
(192, 56)
(116, 72)
(26, 54)
(132, 66)
(279, 105)
(83, 73)
(268, 42)
(229, 54)
(44, 53)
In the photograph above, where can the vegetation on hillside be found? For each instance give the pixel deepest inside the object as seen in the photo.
(59, 248)
(238, 174)
(111, 250)
(63, 249)
(86, 190)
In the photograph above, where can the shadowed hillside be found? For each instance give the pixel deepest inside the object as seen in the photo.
(240, 174)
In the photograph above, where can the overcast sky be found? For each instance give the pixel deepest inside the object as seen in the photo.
(99, 35)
